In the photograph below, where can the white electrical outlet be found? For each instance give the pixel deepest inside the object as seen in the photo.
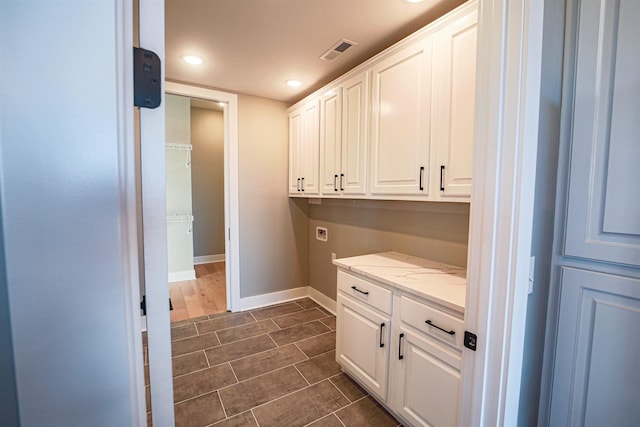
(322, 234)
(333, 256)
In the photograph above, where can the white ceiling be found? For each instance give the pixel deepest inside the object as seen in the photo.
(254, 46)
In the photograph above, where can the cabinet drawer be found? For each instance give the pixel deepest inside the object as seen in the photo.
(416, 314)
(365, 291)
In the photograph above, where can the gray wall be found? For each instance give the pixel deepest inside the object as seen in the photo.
(438, 231)
(207, 181)
(546, 175)
(273, 229)
(61, 213)
(8, 397)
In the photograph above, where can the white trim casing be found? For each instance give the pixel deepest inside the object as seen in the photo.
(231, 212)
(507, 107)
(154, 217)
(128, 214)
(206, 259)
(179, 276)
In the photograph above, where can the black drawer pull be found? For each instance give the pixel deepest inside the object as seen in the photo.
(381, 328)
(335, 182)
(298, 184)
(302, 181)
(421, 187)
(430, 323)
(442, 178)
(362, 292)
(400, 355)
(341, 179)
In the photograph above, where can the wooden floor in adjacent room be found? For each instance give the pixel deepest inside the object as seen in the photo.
(203, 296)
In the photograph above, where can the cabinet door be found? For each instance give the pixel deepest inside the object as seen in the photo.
(362, 344)
(295, 139)
(428, 382)
(603, 215)
(454, 58)
(309, 154)
(330, 142)
(596, 374)
(400, 143)
(354, 134)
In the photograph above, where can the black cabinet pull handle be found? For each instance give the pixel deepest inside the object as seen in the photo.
(400, 355)
(441, 177)
(298, 184)
(430, 323)
(335, 182)
(421, 175)
(381, 328)
(302, 180)
(362, 292)
(341, 179)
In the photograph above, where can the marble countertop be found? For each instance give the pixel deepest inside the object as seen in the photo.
(441, 283)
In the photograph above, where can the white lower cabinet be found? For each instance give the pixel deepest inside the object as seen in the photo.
(428, 381)
(362, 345)
(404, 349)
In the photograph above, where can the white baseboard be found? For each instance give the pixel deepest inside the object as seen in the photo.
(205, 259)
(179, 276)
(258, 301)
(326, 302)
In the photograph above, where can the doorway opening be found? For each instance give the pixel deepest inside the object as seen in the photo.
(195, 206)
(201, 149)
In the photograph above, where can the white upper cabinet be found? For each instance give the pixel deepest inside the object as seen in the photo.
(604, 201)
(398, 127)
(400, 107)
(343, 138)
(331, 142)
(454, 62)
(355, 103)
(304, 150)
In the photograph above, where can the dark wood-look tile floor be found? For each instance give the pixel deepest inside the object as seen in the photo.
(273, 366)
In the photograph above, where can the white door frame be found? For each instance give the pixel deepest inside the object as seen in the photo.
(507, 103)
(502, 199)
(231, 213)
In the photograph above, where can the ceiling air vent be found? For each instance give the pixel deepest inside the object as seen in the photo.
(338, 49)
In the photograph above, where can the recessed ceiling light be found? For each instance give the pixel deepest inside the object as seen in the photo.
(294, 83)
(192, 59)
(414, 1)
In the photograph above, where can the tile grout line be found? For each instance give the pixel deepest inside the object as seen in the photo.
(301, 351)
(207, 358)
(254, 417)
(305, 378)
(336, 386)
(224, 411)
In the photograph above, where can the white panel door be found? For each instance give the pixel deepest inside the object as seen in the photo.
(330, 142)
(362, 344)
(309, 154)
(454, 58)
(604, 201)
(597, 376)
(355, 115)
(428, 382)
(400, 141)
(295, 136)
